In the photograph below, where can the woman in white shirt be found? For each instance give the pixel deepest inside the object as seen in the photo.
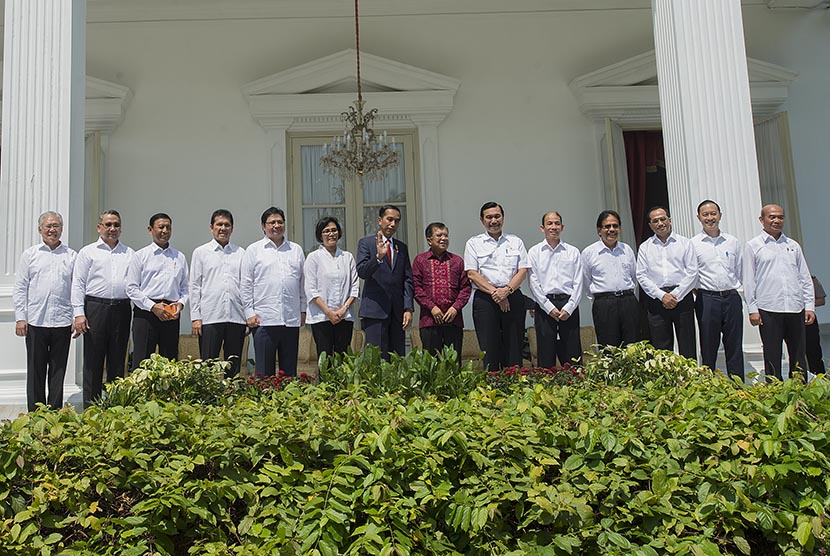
(331, 286)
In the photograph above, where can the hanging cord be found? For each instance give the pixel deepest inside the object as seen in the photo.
(357, 48)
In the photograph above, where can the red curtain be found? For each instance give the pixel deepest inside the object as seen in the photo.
(643, 153)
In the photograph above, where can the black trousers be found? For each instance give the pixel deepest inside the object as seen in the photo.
(500, 335)
(104, 344)
(616, 319)
(786, 327)
(557, 339)
(815, 359)
(721, 316)
(227, 335)
(47, 350)
(332, 338)
(271, 342)
(387, 334)
(661, 321)
(150, 333)
(436, 338)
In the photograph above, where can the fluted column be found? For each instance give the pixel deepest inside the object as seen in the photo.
(707, 120)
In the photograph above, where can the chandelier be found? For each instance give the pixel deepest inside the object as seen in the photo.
(359, 152)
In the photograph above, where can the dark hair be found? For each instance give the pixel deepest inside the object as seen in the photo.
(605, 214)
(109, 212)
(384, 208)
(322, 223)
(271, 211)
(657, 207)
(159, 216)
(706, 202)
(489, 205)
(561, 220)
(432, 226)
(221, 212)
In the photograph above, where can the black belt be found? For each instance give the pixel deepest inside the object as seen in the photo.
(163, 301)
(558, 296)
(106, 301)
(724, 293)
(619, 293)
(667, 289)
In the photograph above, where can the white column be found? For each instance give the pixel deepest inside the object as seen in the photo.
(41, 165)
(707, 119)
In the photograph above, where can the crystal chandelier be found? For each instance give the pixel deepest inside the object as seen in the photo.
(359, 152)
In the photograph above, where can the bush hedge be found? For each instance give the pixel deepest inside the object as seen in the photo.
(697, 466)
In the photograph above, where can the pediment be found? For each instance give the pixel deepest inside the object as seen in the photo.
(627, 90)
(336, 73)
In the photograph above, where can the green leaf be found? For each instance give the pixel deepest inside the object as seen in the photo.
(741, 544)
(804, 533)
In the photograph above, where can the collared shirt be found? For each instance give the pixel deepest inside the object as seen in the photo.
(332, 278)
(157, 273)
(609, 270)
(496, 260)
(272, 283)
(440, 281)
(555, 270)
(100, 272)
(43, 284)
(215, 272)
(776, 277)
(719, 262)
(673, 263)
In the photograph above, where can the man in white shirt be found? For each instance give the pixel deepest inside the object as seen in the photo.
(718, 304)
(157, 286)
(496, 264)
(779, 292)
(101, 306)
(667, 273)
(610, 277)
(273, 295)
(555, 278)
(43, 311)
(215, 302)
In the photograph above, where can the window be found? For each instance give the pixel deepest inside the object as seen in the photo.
(314, 194)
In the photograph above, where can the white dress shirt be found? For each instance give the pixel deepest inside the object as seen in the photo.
(555, 271)
(331, 278)
(157, 273)
(498, 261)
(100, 272)
(719, 262)
(673, 263)
(272, 283)
(776, 277)
(215, 274)
(42, 288)
(609, 270)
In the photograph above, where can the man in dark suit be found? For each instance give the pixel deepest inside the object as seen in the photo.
(387, 303)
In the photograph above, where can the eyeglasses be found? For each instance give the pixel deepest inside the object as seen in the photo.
(659, 220)
(53, 226)
(110, 224)
(610, 226)
(275, 223)
(330, 232)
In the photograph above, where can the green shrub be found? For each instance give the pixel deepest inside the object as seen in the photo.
(698, 467)
(639, 364)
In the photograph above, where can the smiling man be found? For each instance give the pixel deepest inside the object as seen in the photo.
(667, 273)
(157, 286)
(215, 302)
(101, 306)
(387, 303)
(718, 304)
(441, 289)
(779, 292)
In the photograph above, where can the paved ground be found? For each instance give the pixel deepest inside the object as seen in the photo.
(12, 411)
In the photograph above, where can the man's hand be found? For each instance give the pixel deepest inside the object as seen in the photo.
(450, 315)
(160, 310)
(80, 326)
(500, 294)
(333, 316)
(437, 315)
(196, 327)
(302, 319)
(755, 319)
(555, 314)
(252, 322)
(669, 301)
(563, 315)
(504, 306)
(21, 328)
(809, 317)
(381, 246)
(407, 319)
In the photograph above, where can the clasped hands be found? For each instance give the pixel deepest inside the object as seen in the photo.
(441, 317)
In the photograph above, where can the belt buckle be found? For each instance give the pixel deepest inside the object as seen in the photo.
(619, 293)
